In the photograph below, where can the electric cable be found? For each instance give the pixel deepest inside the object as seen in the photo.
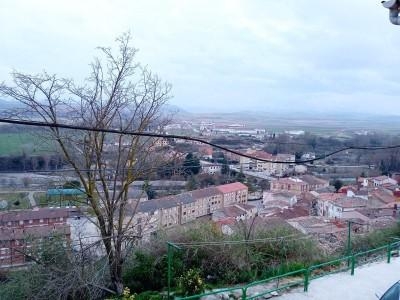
(188, 138)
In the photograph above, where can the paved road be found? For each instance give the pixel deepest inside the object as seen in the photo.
(367, 280)
(32, 200)
(251, 173)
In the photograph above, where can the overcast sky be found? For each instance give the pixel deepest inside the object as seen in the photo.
(265, 55)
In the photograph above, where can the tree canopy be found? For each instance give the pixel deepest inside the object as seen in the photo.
(119, 93)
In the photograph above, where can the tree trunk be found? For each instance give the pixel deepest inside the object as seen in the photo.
(116, 274)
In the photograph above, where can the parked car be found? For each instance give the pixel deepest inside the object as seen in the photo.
(393, 293)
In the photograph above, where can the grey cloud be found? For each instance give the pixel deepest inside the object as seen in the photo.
(233, 54)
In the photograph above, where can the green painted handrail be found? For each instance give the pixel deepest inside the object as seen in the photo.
(210, 293)
(371, 250)
(328, 263)
(284, 286)
(307, 273)
(275, 277)
(331, 262)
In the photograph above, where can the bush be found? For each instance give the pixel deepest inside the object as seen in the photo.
(126, 295)
(374, 239)
(149, 295)
(220, 264)
(191, 283)
(143, 272)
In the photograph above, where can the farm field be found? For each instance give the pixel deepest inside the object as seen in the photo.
(58, 201)
(23, 142)
(17, 200)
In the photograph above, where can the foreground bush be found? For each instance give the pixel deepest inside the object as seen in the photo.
(224, 263)
(191, 283)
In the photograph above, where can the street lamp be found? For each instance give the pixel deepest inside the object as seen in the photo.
(393, 6)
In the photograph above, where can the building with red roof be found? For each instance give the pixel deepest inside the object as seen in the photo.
(233, 193)
(21, 228)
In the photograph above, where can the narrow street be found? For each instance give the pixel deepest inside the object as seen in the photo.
(32, 199)
(367, 281)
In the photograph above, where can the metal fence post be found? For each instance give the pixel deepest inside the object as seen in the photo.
(244, 293)
(306, 279)
(389, 250)
(169, 255)
(348, 241)
(353, 264)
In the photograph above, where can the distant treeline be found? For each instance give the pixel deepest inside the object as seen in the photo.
(30, 162)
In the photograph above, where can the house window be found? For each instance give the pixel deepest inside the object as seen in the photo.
(21, 222)
(30, 221)
(41, 220)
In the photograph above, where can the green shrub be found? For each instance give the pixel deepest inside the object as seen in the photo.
(126, 295)
(142, 274)
(221, 264)
(149, 295)
(373, 239)
(191, 283)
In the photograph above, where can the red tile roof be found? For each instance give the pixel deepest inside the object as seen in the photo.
(232, 211)
(34, 214)
(383, 196)
(330, 196)
(350, 202)
(263, 155)
(206, 150)
(232, 187)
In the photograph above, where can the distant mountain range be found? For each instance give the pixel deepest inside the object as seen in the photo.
(5, 104)
(309, 121)
(281, 120)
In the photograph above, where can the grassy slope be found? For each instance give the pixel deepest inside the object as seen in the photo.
(17, 143)
(12, 198)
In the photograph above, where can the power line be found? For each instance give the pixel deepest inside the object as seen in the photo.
(188, 138)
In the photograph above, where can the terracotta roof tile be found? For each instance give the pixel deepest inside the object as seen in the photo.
(232, 187)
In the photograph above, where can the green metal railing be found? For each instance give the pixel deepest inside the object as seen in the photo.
(329, 267)
(300, 277)
(216, 292)
(277, 279)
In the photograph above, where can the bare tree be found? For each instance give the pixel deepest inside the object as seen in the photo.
(118, 94)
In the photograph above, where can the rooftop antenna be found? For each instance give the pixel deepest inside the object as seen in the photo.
(393, 6)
